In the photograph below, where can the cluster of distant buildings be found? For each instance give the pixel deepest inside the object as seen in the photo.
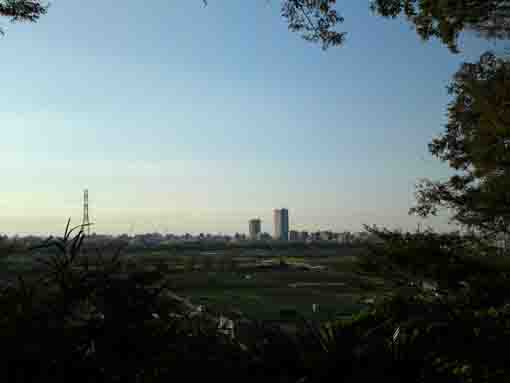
(281, 231)
(280, 227)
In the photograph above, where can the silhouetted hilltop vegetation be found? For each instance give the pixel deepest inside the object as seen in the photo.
(91, 320)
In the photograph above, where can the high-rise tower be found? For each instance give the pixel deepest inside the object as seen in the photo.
(255, 226)
(281, 224)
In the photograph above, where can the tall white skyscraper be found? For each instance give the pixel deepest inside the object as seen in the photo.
(281, 224)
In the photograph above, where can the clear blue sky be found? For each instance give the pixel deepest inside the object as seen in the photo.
(184, 118)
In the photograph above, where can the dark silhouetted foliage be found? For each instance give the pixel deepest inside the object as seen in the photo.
(315, 20)
(476, 145)
(87, 319)
(445, 19)
(22, 10)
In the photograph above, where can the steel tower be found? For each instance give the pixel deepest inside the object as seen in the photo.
(86, 222)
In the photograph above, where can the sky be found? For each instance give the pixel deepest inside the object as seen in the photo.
(184, 118)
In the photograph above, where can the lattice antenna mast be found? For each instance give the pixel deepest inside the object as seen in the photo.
(86, 221)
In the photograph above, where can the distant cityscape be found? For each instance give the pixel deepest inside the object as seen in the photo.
(281, 233)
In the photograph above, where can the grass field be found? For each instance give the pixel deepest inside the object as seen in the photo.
(259, 287)
(266, 285)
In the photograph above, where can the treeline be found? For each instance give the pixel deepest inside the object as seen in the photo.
(17, 245)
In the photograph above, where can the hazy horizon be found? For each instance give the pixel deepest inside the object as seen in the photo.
(197, 127)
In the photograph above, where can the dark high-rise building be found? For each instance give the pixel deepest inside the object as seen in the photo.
(255, 226)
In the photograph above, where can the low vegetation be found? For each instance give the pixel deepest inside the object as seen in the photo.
(88, 317)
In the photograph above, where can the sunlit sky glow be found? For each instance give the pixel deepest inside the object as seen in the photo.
(180, 118)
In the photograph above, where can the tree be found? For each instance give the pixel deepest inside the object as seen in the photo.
(476, 144)
(445, 19)
(22, 10)
(316, 20)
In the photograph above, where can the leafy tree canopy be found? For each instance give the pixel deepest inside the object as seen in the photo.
(445, 19)
(316, 20)
(476, 144)
(22, 10)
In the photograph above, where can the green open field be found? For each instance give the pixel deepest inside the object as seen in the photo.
(259, 286)
(273, 285)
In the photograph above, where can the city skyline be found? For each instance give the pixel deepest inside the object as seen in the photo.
(279, 218)
(165, 141)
